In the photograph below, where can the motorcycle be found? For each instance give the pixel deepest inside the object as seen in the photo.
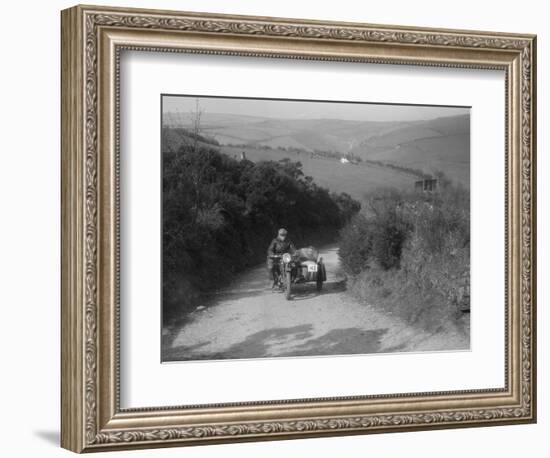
(291, 270)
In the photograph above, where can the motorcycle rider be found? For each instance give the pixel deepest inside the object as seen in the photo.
(278, 246)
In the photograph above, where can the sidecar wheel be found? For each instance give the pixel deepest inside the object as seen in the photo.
(288, 285)
(319, 284)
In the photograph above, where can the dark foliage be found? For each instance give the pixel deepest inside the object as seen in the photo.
(219, 215)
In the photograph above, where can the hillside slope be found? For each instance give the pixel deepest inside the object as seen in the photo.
(429, 145)
(357, 180)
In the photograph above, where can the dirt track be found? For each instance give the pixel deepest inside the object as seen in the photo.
(248, 320)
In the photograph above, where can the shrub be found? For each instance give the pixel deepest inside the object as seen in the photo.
(376, 237)
(409, 252)
(355, 246)
(219, 215)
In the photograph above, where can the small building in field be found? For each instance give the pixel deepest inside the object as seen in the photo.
(426, 184)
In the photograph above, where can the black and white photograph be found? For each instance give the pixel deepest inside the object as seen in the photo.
(311, 228)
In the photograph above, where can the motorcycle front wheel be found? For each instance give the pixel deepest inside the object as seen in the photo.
(288, 284)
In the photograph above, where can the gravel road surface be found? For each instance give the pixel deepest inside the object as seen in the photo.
(248, 320)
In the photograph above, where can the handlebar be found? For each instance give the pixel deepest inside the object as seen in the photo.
(279, 256)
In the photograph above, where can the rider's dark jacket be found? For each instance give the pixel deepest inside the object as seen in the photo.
(278, 246)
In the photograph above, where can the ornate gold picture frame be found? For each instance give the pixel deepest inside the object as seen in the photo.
(92, 40)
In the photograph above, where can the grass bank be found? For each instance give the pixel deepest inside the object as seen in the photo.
(408, 253)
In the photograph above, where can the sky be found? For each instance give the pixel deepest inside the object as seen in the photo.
(290, 109)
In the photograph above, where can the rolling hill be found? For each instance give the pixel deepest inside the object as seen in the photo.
(441, 144)
(428, 145)
(355, 179)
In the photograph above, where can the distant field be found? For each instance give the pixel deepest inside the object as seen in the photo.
(450, 154)
(356, 180)
(441, 144)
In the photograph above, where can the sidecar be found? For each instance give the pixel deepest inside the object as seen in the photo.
(304, 266)
(311, 271)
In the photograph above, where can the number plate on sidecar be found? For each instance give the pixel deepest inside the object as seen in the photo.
(312, 268)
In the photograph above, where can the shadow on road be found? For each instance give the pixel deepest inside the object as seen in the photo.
(290, 341)
(305, 291)
(345, 341)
